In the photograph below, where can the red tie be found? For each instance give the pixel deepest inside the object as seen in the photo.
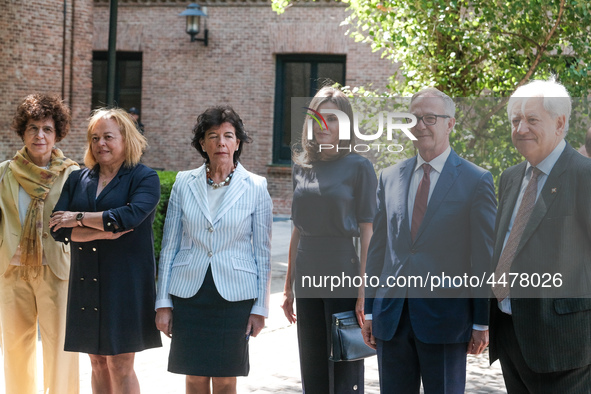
(508, 255)
(420, 207)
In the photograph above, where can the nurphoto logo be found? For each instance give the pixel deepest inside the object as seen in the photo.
(393, 120)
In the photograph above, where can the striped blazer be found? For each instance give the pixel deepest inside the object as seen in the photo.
(236, 242)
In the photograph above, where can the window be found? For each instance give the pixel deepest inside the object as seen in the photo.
(299, 76)
(128, 80)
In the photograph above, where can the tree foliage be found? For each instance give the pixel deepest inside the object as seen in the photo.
(476, 48)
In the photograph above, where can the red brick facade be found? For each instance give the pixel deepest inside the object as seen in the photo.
(179, 78)
(38, 55)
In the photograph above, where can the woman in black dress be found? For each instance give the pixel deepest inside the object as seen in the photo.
(106, 211)
(334, 201)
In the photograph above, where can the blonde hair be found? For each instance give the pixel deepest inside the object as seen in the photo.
(135, 143)
(310, 152)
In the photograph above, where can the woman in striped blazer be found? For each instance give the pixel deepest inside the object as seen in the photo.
(214, 275)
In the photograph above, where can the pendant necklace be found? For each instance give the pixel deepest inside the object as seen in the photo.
(107, 180)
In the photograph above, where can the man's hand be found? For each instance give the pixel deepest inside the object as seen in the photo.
(368, 337)
(478, 342)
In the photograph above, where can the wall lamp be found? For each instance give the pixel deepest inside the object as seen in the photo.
(193, 13)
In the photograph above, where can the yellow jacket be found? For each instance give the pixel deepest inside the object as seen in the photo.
(57, 254)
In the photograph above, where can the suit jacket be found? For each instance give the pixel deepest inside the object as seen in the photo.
(554, 334)
(455, 237)
(114, 277)
(56, 254)
(236, 242)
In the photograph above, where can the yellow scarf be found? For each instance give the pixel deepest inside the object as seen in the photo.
(37, 182)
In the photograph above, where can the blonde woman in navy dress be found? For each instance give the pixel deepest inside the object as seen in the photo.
(334, 200)
(106, 213)
(215, 264)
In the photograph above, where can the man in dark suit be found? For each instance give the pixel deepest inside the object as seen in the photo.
(541, 335)
(435, 216)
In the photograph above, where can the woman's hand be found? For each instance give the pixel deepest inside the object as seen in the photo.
(255, 325)
(164, 321)
(63, 219)
(287, 306)
(111, 236)
(360, 310)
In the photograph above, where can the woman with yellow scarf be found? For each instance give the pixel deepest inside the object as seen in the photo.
(34, 269)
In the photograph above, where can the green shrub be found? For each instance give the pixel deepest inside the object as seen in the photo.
(166, 181)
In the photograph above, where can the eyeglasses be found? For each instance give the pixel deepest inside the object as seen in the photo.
(34, 130)
(428, 120)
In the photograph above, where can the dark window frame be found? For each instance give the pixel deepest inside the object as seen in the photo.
(122, 56)
(281, 152)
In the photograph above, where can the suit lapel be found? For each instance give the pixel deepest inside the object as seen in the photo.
(198, 186)
(123, 170)
(91, 183)
(510, 194)
(404, 178)
(236, 189)
(447, 178)
(547, 196)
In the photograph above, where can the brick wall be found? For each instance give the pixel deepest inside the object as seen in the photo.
(180, 79)
(33, 58)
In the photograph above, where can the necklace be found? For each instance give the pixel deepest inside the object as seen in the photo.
(107, 180)
(225, 182)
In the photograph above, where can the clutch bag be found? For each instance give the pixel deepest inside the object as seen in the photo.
(346, 339)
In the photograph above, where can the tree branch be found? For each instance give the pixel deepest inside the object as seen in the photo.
(529, 73)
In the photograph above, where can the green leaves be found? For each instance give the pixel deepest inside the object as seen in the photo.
(480, 48)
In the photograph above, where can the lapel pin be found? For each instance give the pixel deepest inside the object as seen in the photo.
(554, 190)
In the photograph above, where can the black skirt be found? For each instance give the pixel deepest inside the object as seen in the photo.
(208, 334)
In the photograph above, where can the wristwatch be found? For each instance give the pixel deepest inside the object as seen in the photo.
(79, 218)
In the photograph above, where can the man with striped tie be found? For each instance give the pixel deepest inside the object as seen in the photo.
(542, 335)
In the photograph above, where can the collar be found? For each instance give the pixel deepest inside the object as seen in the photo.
(437, 163)
(547, 164)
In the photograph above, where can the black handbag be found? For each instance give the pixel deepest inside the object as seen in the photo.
(346, 339)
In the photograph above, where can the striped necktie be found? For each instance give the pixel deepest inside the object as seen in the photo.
(508, 255)
(421, 199)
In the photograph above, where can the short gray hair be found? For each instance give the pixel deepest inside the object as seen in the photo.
(450, 106)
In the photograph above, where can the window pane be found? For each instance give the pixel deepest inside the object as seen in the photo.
(128, 81)
(331, 72)
(131, 74)
(297, 84)
(99, 83)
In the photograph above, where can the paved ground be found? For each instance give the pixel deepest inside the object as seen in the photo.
(273, 354)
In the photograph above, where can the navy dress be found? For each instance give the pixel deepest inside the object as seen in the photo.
(330, 200)
(112, 282)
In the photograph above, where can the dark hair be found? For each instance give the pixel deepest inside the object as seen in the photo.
(214, 117)
(38, 107)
